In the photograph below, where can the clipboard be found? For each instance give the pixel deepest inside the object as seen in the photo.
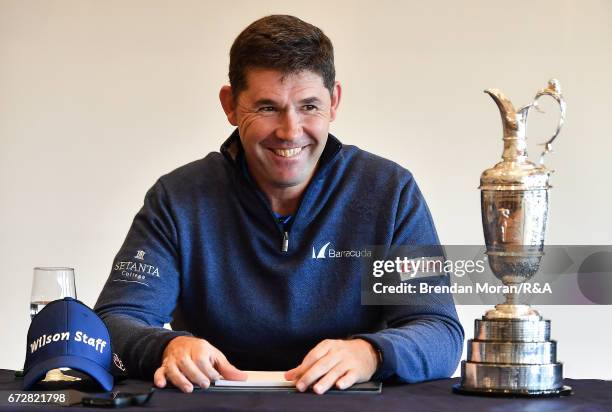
(268, 381)
(370, 387)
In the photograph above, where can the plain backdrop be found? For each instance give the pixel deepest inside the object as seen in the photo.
(100, 98)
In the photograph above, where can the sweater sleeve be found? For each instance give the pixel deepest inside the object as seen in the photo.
(422, 340)
(143, 287)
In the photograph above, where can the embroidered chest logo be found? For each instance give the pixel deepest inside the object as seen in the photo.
(329, 252)
(321, 254)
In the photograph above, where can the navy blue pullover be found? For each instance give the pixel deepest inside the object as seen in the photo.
(207, 254)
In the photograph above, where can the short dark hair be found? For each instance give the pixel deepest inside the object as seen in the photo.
(284, 43)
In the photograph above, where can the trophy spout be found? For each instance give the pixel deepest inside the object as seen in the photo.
(507, 111)
(513, 121)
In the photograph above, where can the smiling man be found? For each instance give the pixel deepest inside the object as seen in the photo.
(283, 119)
(226, 242)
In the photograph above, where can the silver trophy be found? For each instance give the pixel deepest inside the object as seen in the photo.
(512, 353)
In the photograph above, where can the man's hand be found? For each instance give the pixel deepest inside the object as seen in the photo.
(339, 362)
(188, 360)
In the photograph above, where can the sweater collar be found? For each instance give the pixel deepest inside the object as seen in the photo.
(232, 147)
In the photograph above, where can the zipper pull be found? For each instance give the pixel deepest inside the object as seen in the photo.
(285, 246)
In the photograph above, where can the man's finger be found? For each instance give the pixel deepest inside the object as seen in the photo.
(328, 380)
(289, 375)
(177, 378)
(229, 371)
(203, 363)
(191, 371)
(347, 380)
(316, 371)
(310, 359)
(159, 378)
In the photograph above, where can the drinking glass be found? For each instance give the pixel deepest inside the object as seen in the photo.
(49, 284)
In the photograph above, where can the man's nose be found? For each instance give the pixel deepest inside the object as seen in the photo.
(290, 127)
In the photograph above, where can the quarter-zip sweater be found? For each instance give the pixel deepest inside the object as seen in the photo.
(207, 254)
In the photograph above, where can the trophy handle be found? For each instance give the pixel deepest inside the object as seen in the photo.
(553, 90)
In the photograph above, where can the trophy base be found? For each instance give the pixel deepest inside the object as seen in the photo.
(512, 357)
(513, 378)
(509, 393)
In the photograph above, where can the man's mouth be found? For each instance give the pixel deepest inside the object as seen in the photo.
(287, 152)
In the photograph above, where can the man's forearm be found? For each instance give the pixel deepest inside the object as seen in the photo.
(425, 348)
(139, 345)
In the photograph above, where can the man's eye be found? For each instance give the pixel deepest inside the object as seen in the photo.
(267, 109)
(310, 107)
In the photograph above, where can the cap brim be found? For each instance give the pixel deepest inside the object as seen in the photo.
(95, 371)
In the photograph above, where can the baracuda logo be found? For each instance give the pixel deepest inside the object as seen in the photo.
(321, 254)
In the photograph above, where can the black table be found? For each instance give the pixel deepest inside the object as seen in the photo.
(589, 395)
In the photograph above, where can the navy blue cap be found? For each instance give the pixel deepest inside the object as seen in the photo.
(67, 333)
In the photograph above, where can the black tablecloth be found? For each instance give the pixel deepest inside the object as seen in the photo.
(589, 395)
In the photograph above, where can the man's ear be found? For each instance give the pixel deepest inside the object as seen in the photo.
(335, 101)
(227, 102)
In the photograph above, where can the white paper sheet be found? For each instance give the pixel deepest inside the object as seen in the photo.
(260, 379)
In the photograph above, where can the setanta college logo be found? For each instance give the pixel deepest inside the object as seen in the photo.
(135, 271)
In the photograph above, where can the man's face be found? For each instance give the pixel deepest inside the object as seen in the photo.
(283, 122)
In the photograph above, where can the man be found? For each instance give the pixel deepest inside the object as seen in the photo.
(229, 247)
